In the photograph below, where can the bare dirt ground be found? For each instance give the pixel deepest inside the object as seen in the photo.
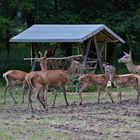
(88, 122)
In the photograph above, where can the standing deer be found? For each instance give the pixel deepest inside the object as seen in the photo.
(98, 80)
(29, 76)
(17, 77)
(124, 80)
(127, 60)
(53, 79)
(14, 78)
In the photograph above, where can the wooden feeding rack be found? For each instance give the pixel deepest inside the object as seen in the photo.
(56, 63)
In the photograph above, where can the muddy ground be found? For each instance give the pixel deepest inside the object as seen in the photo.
(88, 122)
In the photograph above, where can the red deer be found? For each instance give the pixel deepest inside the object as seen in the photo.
(53, 79)
(127, 60)
(98, 80)
(43, 65)
(124, 80)
(13, 78)
(17, 77)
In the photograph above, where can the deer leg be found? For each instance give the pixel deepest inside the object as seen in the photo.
(37, 97)
(5, 93)
(23, 94)
(12, 95)
(80, 92)
(64, 92)
(46, 92)
(110, 97)
(41, 97)
(119, 95)
(138, 96)
(41, 100)
(99, 93)
(29, 100)
(30, 103)
(55, 95)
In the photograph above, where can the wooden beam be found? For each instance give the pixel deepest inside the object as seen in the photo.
(61, 58)
(86, 53)
(55, 58)
(98, 54)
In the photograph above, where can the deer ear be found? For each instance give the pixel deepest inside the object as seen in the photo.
(114, 68)
(40, 54)
(104, 65)
(69, 58)
(125, 53)
(45, 54)
(130, 52)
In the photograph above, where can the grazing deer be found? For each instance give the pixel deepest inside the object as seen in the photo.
(98, 80)
(13, 78)
(124, 80)
(53, 79)
(127, 60)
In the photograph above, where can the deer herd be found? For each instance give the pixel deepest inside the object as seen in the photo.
(38, 83)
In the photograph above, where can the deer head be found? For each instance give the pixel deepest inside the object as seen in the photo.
(111, 72)
(42, 60)
(106, 69)
(42, 57)
(126, 58)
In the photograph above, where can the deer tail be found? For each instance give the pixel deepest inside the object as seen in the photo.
(5, 76)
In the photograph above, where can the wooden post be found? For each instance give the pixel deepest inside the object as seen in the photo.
(34, 52)
(98, 54)
(85, 55)
(105, 45)
(34, 63)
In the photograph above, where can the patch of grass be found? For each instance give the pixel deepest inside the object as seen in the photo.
(90, 121)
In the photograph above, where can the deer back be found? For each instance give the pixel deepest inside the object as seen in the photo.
(15, 75)
(93, 79)
(54, 78)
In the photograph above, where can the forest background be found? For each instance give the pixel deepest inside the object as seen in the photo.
(121, 16)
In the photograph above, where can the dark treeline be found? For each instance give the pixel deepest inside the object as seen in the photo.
(122, 16)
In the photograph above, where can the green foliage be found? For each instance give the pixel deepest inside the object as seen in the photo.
(15, 60)
(4, 26)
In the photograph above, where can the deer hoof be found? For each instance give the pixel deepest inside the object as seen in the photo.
(46, 109)
(53, 106)
(113, 101)
(80, 103)
(137, 101)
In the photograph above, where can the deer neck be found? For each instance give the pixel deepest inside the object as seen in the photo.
(43, 67)
(107, 76)
(71, 70)
(112, 77)
(130, 66)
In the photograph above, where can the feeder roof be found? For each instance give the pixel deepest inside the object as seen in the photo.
(66, 33)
